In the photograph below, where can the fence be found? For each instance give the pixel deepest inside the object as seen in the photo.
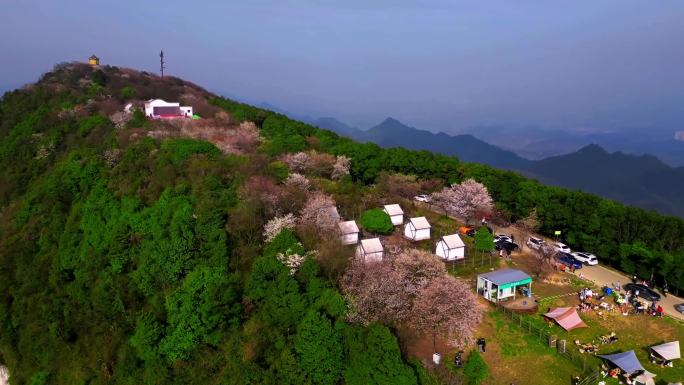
(584, 362)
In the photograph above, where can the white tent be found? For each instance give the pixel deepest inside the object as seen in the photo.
(349, 232)
(417, 229)
(450, 247)
(668, 351)
(396, 214)
(370, 250)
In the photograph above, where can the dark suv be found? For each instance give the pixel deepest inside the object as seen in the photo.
(644, 292)
(568, 260)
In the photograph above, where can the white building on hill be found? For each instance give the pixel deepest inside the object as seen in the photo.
(161, 109)
(450, 248)
(396, 214)
(417, 229)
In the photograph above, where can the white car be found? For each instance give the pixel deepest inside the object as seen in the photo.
(535, 243)
(588, 258)
(502, 237)
(562, 247)
(422, 198)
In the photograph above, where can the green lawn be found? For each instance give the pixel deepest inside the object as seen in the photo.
(516, 357)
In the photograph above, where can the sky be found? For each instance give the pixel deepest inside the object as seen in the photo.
(440, 65)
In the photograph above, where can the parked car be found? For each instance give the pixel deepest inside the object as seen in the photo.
(503, 244)
(535, 243)
(466, 230)
(502, 237)
(644, 291)
(568, 260)
(588, 258)
(470, 231)
(422, 198)
(559, 246)
(679, 307)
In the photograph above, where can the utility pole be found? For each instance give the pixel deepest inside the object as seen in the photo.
(161, 63)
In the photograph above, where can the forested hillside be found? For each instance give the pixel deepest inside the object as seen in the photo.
(154, 252)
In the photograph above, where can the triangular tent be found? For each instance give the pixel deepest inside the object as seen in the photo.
(669, 351)
(566, 317)
(626, 361)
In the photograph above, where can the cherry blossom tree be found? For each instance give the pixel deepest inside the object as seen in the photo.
(298, 181)
(446, 307)
(464, 199)
(298, 162)
(417, 268)
(274, 226)
(320, 212)
(375, 293)
(412, 291)
(341, 167)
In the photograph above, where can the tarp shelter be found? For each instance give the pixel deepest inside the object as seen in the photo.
(450, 247)
(349, 233)
(396, 214)
(370, 250)
(668, 351)
(566, 317)
(627, 361)
(417, 229)
(501, 284)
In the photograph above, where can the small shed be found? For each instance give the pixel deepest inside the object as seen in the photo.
(396, 214)
(502, 284)
(349, 232)
(94, 60)
(370, 250)
(417, 229)
(450, 248)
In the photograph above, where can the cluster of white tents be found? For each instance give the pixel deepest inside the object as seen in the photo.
(630, 365)
(449, 247)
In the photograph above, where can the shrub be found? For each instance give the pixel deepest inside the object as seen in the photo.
(86, 125)
(377, 221)
(177, 150)
(138, 120)
(127, 92)
(475, 369)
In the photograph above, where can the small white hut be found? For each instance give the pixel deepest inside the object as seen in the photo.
(417, 229)
(450, 248)
(370, 250)
(396, 214)
(349, 232)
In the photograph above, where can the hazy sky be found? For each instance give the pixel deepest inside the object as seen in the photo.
(442, 65)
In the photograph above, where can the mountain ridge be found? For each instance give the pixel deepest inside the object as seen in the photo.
(649, 182)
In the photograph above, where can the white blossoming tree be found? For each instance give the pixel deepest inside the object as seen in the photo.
(464, 199)
(277, 224)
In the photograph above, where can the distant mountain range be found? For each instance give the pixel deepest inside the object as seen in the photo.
(535, 143)
(639, 180)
